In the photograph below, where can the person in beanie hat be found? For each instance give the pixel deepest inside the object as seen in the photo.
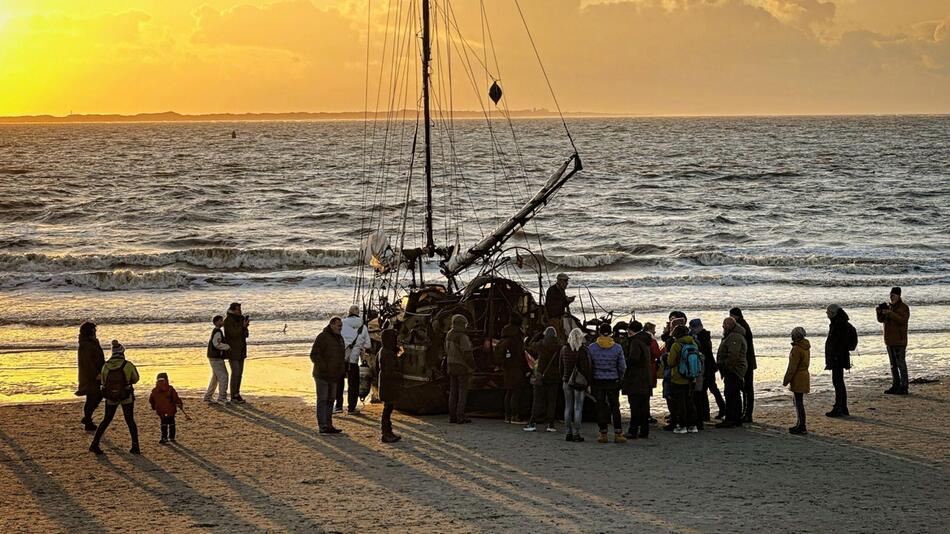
(118, 376)
(748, 384)
(165, 401)
(797, 377)
(895, 316)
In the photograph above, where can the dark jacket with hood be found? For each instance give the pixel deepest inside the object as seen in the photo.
(515, 366)
(638, 378)
(837, 353)
(731, 356)
(547, 351)
(390, 368)
(164, 399)
(749, 344)
(90, 362)
(328, 355)
(555, 302)
(235, 336)
(704, 342)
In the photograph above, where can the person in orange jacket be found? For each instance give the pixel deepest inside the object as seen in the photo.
(165, 401)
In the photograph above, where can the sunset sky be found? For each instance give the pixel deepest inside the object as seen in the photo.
(634, 56)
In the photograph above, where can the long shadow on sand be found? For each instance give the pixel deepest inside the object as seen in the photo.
(288, 517)
(457, 474)
(56, 503)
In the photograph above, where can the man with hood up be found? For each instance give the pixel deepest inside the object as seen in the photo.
(390, 381)
(608, 367)
(118, 376)
(842, 339)
(732, 364)
(460, 360)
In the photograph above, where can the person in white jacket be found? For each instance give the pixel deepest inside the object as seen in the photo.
(356, 341)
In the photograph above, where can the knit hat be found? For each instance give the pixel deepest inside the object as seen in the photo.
(604, 329)
(680, 331)
(736, 312)
(798, 333)
(550, 332)
(896, 291)
(117, 348)
(696, 324)
(162, 376)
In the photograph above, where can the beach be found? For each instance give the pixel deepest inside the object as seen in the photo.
(263, 467)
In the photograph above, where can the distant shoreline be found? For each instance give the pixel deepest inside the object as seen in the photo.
(173, 117)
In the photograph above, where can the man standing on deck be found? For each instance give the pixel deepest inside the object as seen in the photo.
(557, 303)
(895, 317)
(235, 336)
(356, 337)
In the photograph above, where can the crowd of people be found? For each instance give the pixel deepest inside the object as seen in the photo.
(623, 358)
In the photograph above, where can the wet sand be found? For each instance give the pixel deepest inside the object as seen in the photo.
(263, 467)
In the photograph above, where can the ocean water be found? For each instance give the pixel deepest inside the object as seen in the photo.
(150, 229)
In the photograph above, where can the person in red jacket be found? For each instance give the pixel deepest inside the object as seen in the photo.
(165, 401)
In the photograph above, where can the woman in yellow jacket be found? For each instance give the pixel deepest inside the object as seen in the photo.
(797, 377)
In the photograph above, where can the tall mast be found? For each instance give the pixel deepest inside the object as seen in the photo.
(426, 57)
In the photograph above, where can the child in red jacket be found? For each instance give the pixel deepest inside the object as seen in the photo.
(165, 401)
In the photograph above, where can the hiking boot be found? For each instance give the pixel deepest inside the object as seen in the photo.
(570, 437)
(798, 430)
(334, 430)
(679, 430)
(577, 438)
(602, 438)
(550, 428)
(529, 427)
(135, 449)
(727, 424)
(95, 448)
(835, 412)
(892, 390)
(390, 438)
(902, 391)
(619, 438)
(237, 399)
(692, 430)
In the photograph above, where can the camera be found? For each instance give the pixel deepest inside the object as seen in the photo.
(883, 306)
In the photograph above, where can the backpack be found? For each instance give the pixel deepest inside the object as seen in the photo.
(852, 337)
(691, 361)
(116, 387)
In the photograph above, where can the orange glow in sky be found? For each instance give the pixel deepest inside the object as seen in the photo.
(632, 56)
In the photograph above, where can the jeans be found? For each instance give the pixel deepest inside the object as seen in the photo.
(326, 392)
(386, 421)
(607, 393)
(841, 392)
(800, 409)
(545, 404)
(237, 373)
(898, 356)
(731, 386)
(513, 403)
(92, 402)
(127, 412)
(748, 396)
(573, 409)
(639, 415)
(352, 378)
(168, 427)
(219, 380)
(458, 396)
(685, 412)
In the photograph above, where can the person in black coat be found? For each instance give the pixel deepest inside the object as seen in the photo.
(841, 339)
(704, 340)
(390, 382)
(90, 362)
(637, 383)
(510, 351)
(748, 385)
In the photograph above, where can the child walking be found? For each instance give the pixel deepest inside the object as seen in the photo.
(165, 401)
(797, 377)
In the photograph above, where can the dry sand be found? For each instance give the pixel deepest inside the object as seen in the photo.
(263, 467)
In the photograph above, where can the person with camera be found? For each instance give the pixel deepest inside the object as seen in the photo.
(356, 336)
(557, 303)
(895, 316)
(235, 336)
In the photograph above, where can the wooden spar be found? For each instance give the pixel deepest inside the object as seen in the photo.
(426, 57)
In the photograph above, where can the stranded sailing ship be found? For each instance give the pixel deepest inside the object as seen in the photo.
(411, 281)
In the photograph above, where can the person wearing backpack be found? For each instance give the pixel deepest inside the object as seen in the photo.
(118, 376)
(683, 353)
(704, 341)
(842, 339)
(545, 380)
(731, 360)
(90, 361)
(637, 382)
(607, 367)
(895, 316)
(510, 352)
(218, 351)
(797, 377)
(165, 401)
(575, 379)
(748, 383)
(356, 336)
